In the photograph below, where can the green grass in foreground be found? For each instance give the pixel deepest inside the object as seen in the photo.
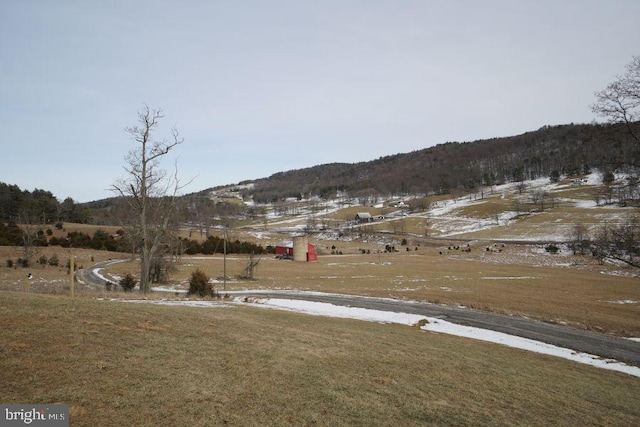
(119, 363)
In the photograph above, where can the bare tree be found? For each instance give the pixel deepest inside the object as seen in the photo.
(427, 223)
(399, 226)
(201, 212)
(311, 225)
(30, 241)
(619, 242)
(579, 239)
(619, 102)
(539, 197)
(149, 191)
(250, 267)
(521, 187)
(32, 235)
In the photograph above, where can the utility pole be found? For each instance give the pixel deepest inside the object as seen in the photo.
(27, 285)
(224, 263)
(72, 271)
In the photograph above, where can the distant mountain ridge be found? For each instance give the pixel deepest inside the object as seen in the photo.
(451, 167)
(572, 149)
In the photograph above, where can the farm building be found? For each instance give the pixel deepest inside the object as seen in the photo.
(362, 217)
(299, 249)
(285, 248)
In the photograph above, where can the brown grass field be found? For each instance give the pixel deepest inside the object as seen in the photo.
(118, 363)
(568, 290)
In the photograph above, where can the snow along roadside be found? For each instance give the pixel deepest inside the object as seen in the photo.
(434, 325)
(443, 327)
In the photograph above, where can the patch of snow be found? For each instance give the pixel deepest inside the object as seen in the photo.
(115, 277)
(594, 178)
(98, 273)
(169, 289)
(434, 325)
(585, 204)
(261, 235)
(442, 326)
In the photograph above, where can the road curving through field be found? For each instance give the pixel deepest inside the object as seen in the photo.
(602, 345)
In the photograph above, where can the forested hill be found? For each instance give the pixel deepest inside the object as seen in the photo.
(565, 150)
(445, 168)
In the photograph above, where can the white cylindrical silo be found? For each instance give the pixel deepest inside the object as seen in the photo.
(300, 247)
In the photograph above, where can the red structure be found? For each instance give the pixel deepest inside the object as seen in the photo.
(311, 254)
(285, 249)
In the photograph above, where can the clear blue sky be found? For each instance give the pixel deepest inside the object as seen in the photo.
(258, 87)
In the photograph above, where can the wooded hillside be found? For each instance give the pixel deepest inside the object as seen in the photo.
(565, 150)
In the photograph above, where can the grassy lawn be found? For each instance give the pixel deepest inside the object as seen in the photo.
(118, 363)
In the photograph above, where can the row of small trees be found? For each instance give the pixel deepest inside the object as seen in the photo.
(217, 245)
(618, 242)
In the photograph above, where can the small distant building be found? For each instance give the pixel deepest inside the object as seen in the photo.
(362, 217)
(299, 249)
(285, 248)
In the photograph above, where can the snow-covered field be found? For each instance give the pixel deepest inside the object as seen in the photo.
(432, 325)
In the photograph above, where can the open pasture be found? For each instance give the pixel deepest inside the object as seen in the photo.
(117, 363)
(521, 280)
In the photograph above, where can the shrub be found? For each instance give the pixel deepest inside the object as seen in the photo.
(608, 178)
(10, 263)
(199, 284)
(42, 260)
(552, 248)
(128, 282)
(53, 260)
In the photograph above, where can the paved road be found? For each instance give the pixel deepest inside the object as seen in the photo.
(90, 275)
(606, 346)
